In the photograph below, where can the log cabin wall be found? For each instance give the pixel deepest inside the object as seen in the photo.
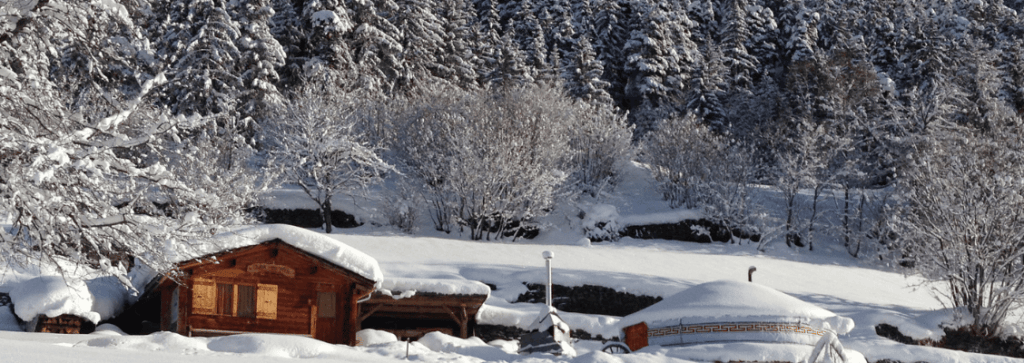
(268, 288)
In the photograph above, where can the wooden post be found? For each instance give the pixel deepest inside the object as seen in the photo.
(184, 304)
(312, 320)
(351, 325)
(462, 318)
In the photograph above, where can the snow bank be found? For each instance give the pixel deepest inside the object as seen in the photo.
(734, 301)
(367, 337)
(436, 286)
(311, 242)
(475, 347)
(53, 296)
(271, 345)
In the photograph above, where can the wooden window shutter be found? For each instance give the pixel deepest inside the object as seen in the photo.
(266, 301)
(204, 297)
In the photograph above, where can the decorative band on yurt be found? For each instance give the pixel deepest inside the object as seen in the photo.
(772, 332)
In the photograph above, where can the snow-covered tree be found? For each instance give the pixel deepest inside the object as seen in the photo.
(486, 159)
(318, 147)
(601, 146)
(376, 46)
(611, 34)
(529, 35)
(582, 74)
(458, 59)
(697, 169)
(706, 87)
(204, 59)
(422, 37)
(734, 32)
(94, 177)
(329, 57)
(261, 56)
(960, 220)
(653, 66)
(510, 67)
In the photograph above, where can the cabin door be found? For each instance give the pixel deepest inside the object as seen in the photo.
(327, 323)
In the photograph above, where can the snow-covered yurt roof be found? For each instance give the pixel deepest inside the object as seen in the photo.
(316, 244)
(734, 301)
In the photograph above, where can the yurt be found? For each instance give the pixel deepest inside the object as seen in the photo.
(731, 311)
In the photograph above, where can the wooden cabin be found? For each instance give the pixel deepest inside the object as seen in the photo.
(446, 306)
(269, 287)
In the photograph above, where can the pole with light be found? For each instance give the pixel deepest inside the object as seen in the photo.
(548, 255)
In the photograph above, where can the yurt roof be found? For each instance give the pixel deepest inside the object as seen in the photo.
(734, 301)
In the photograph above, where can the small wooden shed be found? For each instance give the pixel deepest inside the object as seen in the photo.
(275, 279)
(411, 308)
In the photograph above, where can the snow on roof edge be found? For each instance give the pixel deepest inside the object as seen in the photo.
(437, 286)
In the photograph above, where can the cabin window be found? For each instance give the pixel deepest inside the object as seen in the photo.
(326, 303)
(225, 299)
(246, 301)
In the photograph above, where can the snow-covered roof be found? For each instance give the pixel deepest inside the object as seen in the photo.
(437, 286)
(95, 300)
(314, 243)
(734, 301)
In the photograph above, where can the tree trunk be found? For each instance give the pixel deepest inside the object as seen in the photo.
(325, 209)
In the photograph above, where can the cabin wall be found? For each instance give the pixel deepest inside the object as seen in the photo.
(287, 285)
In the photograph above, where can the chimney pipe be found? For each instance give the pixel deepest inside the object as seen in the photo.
(750, 273)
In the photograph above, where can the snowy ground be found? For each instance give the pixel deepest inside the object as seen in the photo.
(827, 277)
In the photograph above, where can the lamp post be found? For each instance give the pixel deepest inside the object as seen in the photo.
(548, 255)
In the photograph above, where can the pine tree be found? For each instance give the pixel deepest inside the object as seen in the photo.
(582, 75)
(798, 32)
(510, 68)
(609, 41)
(763, 43)
(706, 88)
(734, 34)
(583, 20)
(529, 35)
(422, 44)
(204, 76)
(459, 37)
(652, 63)
(487, 40)
(705, 18)
(376, 47)
(262, 55)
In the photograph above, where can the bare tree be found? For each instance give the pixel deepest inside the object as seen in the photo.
(318, 147)
(961, 216)
(487, 160)
(696, 168)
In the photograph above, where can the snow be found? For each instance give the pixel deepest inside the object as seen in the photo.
(310, 242)
(368, 337)
(53, 296)
(436, 286)
(734, 301)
